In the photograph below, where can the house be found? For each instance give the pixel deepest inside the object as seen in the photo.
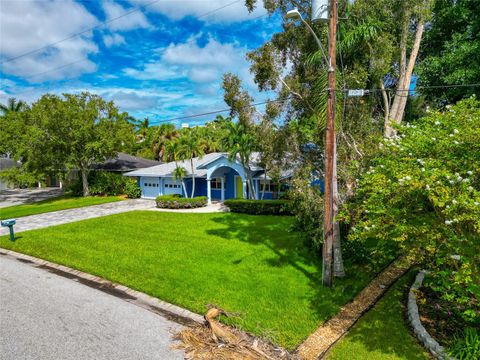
(216, 176)
(7, 163)
(123, 162)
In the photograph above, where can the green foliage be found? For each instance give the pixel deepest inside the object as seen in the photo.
(259, 207)
(467, 345)
(177, 202)
(451, 50)
(307, 207)
(131, 189)
(421, 196)
(19, 177)
(107, 183)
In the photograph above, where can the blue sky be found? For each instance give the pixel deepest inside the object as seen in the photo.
(162, 62)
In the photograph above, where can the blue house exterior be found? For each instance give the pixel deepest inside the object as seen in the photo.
(216, 177)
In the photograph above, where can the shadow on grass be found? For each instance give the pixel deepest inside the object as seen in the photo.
(290, 251)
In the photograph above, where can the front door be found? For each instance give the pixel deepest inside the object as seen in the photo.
(238, 187)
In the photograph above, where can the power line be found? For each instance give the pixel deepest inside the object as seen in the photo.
(85, 59)
(81, 32)
(138, 8)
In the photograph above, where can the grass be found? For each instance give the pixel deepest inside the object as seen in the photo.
(54, 204)
(381, 334)
(242, 263)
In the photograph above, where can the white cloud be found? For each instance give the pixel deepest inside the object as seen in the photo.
(131, 21)
(26, 26)
(200, 64)
(218, 11)
(113, 40)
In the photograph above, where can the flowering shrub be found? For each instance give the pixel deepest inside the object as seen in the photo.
(421, 196)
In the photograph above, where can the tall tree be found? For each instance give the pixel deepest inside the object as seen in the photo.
(190, 146)
(241, 143)
(451, 54)
(73, 132)
(13, 105)
(162, 134)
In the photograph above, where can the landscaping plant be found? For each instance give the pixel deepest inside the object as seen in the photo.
(421, 197)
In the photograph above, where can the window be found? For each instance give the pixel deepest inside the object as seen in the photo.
(269, 186)
(216, 183)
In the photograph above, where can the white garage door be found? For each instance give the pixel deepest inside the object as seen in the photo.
(172, 187)
(150, 187)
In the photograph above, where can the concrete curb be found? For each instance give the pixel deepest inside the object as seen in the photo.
(165, 309)
(413, 316)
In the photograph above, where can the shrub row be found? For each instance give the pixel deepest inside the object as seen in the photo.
(108, 184)
(176, 202)
(259, 207)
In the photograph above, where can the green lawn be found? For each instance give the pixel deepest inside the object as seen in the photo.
(243, 263)
(381, 334)
(54, 204)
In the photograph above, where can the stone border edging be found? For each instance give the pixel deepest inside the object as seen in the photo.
(423, 336)
(167, 310)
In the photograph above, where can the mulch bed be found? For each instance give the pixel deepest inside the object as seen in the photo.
(437, 316)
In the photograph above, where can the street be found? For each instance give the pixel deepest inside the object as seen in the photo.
(47, 316)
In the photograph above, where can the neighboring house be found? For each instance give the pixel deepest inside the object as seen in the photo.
(216, 177)
(125, 162)
(121, 163)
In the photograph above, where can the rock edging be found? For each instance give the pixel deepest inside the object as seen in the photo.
(423, 336)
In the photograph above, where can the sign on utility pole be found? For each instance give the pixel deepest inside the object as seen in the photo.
(330, 148)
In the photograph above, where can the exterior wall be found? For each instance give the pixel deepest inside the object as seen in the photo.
(200, 186)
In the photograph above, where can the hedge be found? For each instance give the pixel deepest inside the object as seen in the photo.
(176, 202)
(259, 207)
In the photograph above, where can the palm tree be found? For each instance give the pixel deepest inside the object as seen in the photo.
(190, 146)
(241, 142)
(179, 174)
(163, 133)
(13, 106)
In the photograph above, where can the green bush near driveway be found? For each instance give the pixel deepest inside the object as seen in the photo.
(243, 263)
(259, 207)
(177, 202)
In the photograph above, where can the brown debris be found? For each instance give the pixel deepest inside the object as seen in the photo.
(215, 341)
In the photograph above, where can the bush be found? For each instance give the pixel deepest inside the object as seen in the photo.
(259, 207)
(467, 345)
(421, 196)
(132, 190)
(176, 202)
(107, 184)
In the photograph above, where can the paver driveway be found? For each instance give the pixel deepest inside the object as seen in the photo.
(47, 316)
(26, 196)
(88, 212)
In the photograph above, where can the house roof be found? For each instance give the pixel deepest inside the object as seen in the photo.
(166, 170)
(201, 165)
(125, 162)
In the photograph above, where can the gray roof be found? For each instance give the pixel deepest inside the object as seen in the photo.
(166, 170)
(126, 162)
(199, 163)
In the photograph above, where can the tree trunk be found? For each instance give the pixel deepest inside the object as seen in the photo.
(401, 95)
(264, 182)
(193, 178)
(338, 270)
(184, 189)
(386, 104)
(86, 190)
(409, 72)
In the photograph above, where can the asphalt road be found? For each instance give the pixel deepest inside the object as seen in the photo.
(47, 316)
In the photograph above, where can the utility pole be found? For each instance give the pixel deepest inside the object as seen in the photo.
(330, 147)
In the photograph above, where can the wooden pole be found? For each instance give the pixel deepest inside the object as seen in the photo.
(328, 233)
